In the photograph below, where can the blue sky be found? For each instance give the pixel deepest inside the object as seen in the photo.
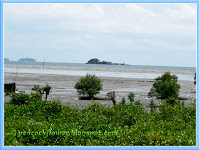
(137, 34)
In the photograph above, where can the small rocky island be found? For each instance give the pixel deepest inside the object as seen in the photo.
(97, 61)
(27, 59)
(6, 59)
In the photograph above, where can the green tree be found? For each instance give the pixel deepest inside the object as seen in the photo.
(165, 86)
(41, 90)
(131, 97)
(38, 89)
(89, 85)
(47, 90)
(123, 101)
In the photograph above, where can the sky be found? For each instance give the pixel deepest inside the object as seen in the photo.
(136, 34)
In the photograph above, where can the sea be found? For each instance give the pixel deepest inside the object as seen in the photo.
(100, 70)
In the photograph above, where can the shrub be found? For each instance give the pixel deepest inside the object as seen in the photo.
(131, 97)
(89, 85)
(152, 105)
(172, 100)
(173, 125)
(41, 90)
(165, 86)
(51, 108)
(35, 97)
(123, 101)
(47, 90)
(38, 89)
(20, 98)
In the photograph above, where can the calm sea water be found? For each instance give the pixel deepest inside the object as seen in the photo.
(134, 71)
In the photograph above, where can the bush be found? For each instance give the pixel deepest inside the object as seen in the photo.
(172, 125)
(165, 86)
(47, 90)
(35, 97)
(41, 90)
(20, 98)
(23, 98)
(89, 85)
(131, 97)
(172, 100)
(123, 101)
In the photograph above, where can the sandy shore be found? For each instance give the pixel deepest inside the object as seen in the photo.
(63, 88)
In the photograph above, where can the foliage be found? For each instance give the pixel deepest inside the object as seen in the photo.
(7, 92)
(131, 97)
(47, 90)
(41, 90)
(172, 100)
(152, 105)
(89, 85)
(123, 101)
(165, 86)
(195, 78)
(25, 99)
(149, 128)
(20, 98)
(38, 89)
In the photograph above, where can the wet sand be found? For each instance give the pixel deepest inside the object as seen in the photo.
(63, 88)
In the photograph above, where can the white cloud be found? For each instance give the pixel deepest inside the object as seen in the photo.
(101, 27)
(137, 9)
(134, 18)
(155, 43)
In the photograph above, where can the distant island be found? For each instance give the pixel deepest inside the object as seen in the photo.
(97, 61)
(6, 59)
(27, 59)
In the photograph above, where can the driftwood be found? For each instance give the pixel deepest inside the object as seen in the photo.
(111, 96)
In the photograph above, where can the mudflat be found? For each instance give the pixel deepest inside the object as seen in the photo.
(63, 88)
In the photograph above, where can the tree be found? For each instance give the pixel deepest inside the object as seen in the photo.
(131, 97)
(47, 90)
(38, 89)
(89, 85)
(41, 90)
(165, 86)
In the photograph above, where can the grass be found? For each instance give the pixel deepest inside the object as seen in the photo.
(172, 125)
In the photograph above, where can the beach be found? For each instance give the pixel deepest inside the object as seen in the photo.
(63, 87)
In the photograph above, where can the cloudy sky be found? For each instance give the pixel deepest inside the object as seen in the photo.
(137, 34)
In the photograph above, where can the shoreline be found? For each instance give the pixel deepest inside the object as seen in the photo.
(63, 88)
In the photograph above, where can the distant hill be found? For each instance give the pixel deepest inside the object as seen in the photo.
(27, 59)
(96, 61)
(6, 59)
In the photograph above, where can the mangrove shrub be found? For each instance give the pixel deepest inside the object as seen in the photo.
(89, 86)
(165, 86)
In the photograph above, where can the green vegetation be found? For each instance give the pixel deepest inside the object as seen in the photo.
(47, 90)
(123, 101)
(165, 87)
(38, 89)
(41, 90)
(89, 86)
(20, 98)
(172, 125)
(131, 97)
